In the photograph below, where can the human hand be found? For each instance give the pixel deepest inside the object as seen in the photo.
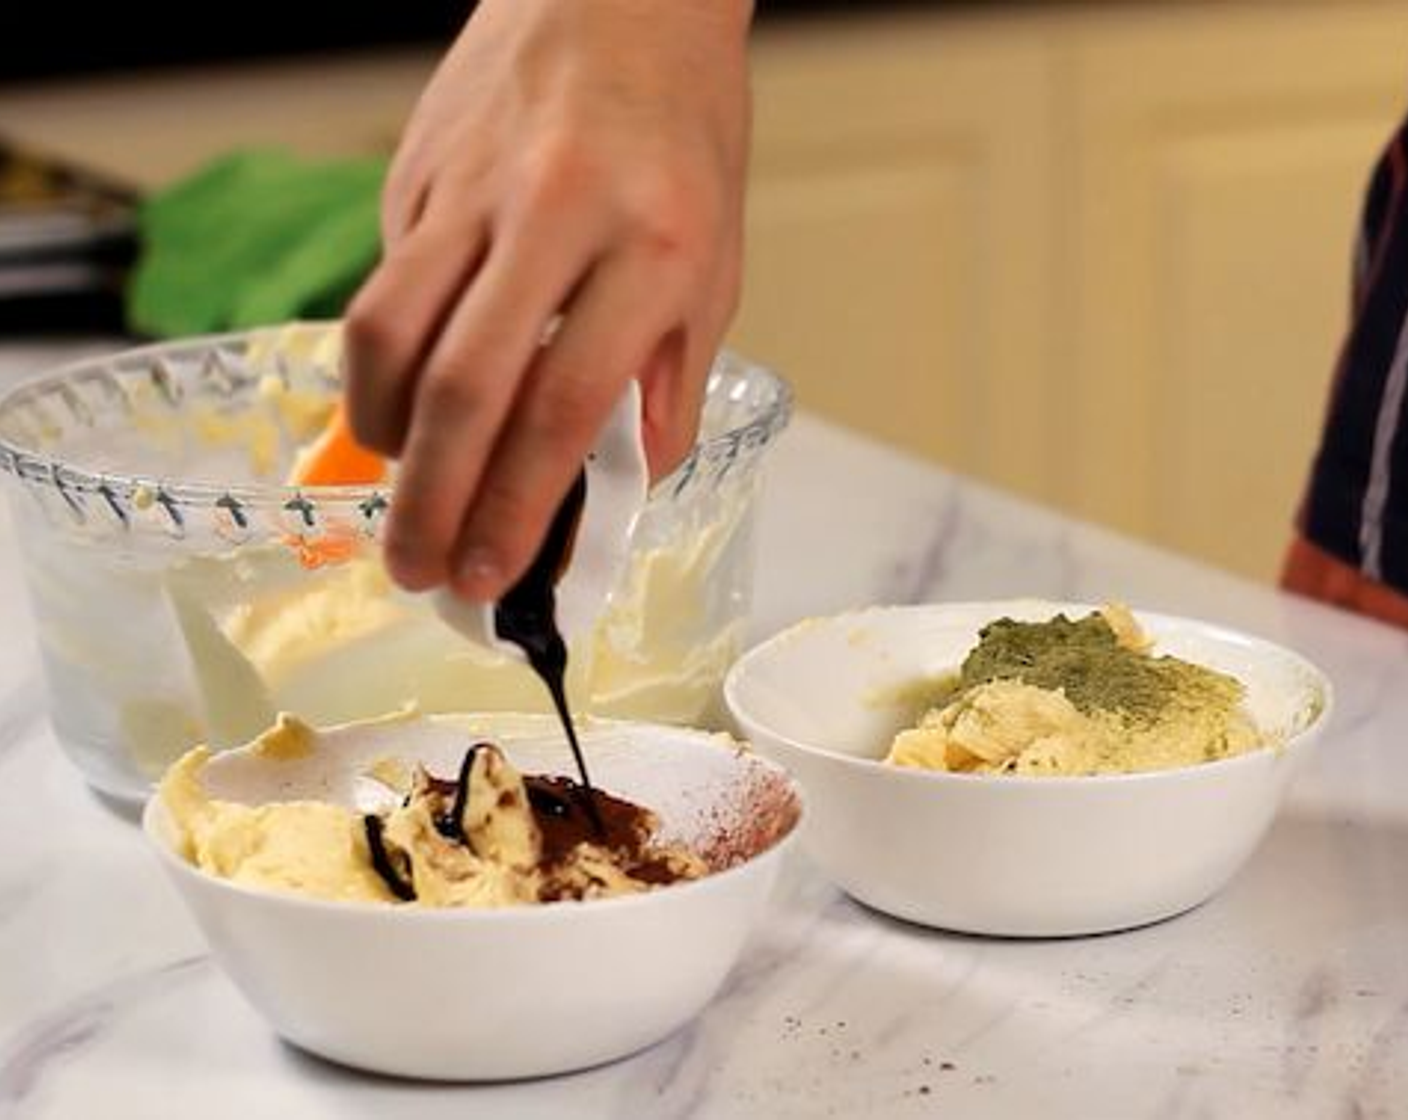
(582, 159)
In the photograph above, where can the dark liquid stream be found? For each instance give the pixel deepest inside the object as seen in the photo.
(398, 884)
(451, 825)
(527, 617)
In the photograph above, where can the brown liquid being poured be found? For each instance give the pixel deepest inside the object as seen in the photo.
(565, 810)
(527, 617)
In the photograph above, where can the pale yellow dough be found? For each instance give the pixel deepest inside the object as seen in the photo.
(297, 847)
(320, 849)
(342, 643)
(1007, 726)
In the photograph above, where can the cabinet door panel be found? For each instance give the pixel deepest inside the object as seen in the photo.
(858, 284)
(1255, 303)
(1219, 161)
(898, 249)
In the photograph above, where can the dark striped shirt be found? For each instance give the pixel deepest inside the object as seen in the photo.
(1356, 505)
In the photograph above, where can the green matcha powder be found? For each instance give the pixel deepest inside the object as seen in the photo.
(1085, 660)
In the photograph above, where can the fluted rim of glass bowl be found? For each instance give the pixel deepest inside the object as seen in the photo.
(712, 458)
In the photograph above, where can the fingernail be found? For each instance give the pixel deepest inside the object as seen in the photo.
(479, 574)
(407, 567)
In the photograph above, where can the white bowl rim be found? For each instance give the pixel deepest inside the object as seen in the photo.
(540, 912)
(1216, 631)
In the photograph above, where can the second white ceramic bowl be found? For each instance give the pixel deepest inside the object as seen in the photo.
(491, 994)
(1002, 854)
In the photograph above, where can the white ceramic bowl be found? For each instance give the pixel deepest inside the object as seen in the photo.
(521, 992)
(1000, 854)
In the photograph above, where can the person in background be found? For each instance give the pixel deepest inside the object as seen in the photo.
(582, 160)
(1351, 542)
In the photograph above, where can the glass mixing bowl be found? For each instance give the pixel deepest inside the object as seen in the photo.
(184, 594)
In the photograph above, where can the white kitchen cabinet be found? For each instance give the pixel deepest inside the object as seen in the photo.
(1097, 254)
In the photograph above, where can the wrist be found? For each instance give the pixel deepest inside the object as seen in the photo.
(736, 15)
(732, 16)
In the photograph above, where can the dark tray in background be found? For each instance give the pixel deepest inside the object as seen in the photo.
(143, 33)
(67, 241)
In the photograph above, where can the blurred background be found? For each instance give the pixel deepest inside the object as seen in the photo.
(1095, 253)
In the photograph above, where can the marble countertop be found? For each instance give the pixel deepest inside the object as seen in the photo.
(1285, 996)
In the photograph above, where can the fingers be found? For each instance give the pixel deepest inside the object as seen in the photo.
(465, 389)
(676, 375)
(394, 320)
(402, 211)
(614, 324)
(444, 372)
(669, 403)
